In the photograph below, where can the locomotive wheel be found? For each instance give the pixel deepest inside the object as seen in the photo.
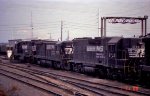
(38, 62)
(67, 67)
(80, 68)
(109, 73)
(102, 73)
(58, 65)
(15, 57)
(145, 78)
(75, 69)
(25, 60)
(32, 60)
(54, 65)
(121, 77)
(71, 66)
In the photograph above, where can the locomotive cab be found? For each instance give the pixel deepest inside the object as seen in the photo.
(125, 55)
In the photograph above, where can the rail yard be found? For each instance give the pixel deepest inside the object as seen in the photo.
(62, 68)
(74, 48)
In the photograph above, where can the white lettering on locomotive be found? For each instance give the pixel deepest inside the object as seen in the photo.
(68, 50)
(50, 47)
(94, 48)
(100, 55)
(24, 47)
(112, 55)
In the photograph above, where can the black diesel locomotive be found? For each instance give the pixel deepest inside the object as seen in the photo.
(44, 52)
(3, 48)
(145, 68)
(114, 57)
(110, 56)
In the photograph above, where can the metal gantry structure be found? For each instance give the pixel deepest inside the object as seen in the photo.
(124, 20)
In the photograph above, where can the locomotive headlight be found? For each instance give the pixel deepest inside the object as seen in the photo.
(9, 53)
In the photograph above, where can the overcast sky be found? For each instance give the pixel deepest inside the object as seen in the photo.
(80, 18)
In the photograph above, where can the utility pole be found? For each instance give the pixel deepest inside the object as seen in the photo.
(50, 38)
(12, 37)
(102, 26)
(61, 30)
(99, 22)
(68, 36)
(31, 26)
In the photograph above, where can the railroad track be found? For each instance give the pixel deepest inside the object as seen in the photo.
(34, 83)
(99, 89)
(4, 73)
(48, 87)
(74, 92)
(94, 87)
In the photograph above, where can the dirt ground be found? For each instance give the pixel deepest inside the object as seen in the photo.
(2, 93)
